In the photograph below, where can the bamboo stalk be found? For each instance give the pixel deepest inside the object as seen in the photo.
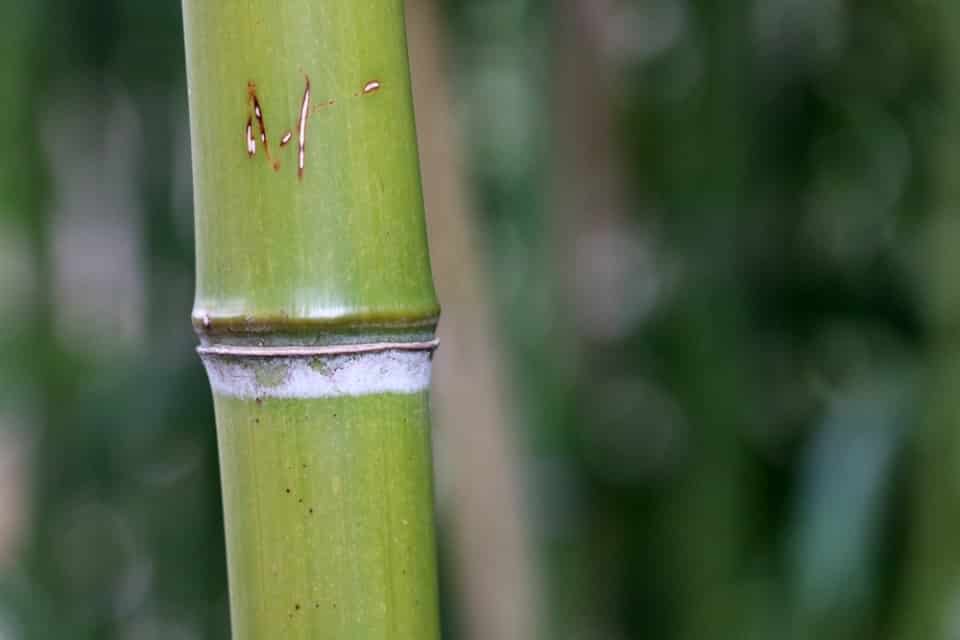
(931, 582)
(483, 511)
(316, 313)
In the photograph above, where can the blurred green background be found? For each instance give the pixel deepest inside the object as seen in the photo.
(700, 376)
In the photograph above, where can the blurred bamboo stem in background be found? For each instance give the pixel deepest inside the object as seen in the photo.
(931, 588)
(591, 212)
(704, 530)
(316, 311)
(24, 280)
(494, 568)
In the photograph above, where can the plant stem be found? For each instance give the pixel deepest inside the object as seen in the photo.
(928, 610)
(316, 312)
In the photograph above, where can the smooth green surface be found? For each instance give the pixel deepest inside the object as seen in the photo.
(329, 517)
(328, 503)
(344, 245)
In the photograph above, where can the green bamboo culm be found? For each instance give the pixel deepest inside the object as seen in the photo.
(316, 311)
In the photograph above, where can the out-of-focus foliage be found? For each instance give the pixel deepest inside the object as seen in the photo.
(705, 222)
(720, 355)
(123, 524)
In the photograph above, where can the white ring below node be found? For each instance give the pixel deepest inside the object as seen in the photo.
(251, 372)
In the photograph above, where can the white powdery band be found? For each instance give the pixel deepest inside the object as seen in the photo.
(402, 371)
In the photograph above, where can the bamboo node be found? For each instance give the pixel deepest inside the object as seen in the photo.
(304, 351)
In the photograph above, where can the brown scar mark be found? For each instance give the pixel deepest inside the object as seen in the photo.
(369, 88)
(258, 113)
(324, 105)
(251, 141)
(302, 128)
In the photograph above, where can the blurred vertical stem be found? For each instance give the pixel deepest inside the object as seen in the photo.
(316, 312)
(28, 397)
(708, 512)
(483, 511)
(932, 582)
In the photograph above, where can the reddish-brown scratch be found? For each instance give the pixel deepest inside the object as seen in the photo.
(323, 105)
(302, 128)
(258, 113)
(369, 88)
